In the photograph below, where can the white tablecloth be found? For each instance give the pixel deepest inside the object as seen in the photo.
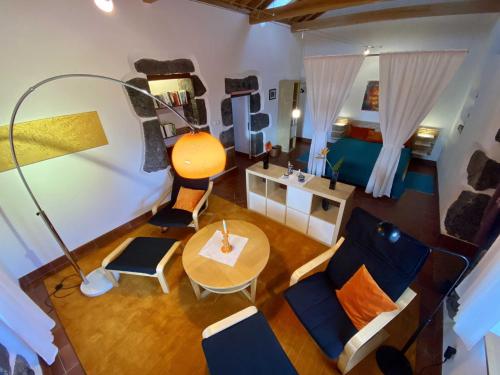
(212, 250)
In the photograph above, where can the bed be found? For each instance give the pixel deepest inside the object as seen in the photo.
(359, 159)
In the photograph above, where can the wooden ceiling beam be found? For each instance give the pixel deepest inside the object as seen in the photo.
(149, 1)
(416, 11)
(302, 8)
(227, 5)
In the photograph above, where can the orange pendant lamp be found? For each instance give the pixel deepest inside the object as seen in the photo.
(198, 155)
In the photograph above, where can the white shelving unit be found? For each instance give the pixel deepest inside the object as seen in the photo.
(298, 206)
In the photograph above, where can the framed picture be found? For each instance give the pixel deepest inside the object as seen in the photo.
(272, 94)
(370, 101)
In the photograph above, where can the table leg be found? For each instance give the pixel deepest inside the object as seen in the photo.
(196, 289)
(253, 290)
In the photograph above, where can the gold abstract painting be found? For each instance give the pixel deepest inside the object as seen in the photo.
(49, 138)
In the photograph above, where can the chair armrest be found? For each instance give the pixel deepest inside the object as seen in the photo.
(228, 322)
(363, 336)
(114, 254)
(160, 266)
(163, 197)
(202, 201)
(312, 264)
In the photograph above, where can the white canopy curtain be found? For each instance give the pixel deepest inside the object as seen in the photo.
(329, 81)
(410, 85)
(479, 299)
(26, 319)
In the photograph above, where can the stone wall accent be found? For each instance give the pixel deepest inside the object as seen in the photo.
(255, 103)
(156, 157)
(143, 105)
(152, 67)
(497, 136)
(241, 84)
(4, 360)
(464, 215)
(227, 137)
(259, 121)
(22, 367)
(199, 87)
(226, 109)
(230, 158)
(257, 143)
(482, 172)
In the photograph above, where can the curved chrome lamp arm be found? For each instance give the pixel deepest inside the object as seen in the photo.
(18, 167)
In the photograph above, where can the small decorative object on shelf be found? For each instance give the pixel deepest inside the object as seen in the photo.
(289, 171)
(325, 204)
(226, 246)
(335, 168)
(269, 147)
(301, 178)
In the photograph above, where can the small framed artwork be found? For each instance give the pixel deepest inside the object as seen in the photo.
(370, 101)
(272, 94)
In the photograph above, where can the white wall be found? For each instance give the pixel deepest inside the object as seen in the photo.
(435, 33)
(479, 132)
(91, 192)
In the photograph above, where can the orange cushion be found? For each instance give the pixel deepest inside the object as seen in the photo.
(362, 299)
(374, 136)
(187, 199)
(357, 132)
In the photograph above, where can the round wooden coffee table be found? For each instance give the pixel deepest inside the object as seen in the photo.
(215, 277)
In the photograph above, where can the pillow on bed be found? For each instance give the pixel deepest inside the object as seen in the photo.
(374, 136)
(357, 132)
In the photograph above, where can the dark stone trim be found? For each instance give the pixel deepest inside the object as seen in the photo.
(255, 103)
(241, 84)
(142, 104)
(199, 87)
(151, 66)
(226, 109)
(257, 143)
(156, 157)
(259, 121)
(227, 137)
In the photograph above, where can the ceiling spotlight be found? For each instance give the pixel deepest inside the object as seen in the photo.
(104, 5)
(296, 113)
(366, 52)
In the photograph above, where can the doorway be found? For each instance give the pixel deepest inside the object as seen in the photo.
(241, 123)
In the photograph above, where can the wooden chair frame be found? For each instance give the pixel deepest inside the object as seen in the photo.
(197, 210)
(159, 267)
(231, 320)
(369, 337)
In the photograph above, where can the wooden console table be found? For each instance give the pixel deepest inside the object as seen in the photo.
(299, 205)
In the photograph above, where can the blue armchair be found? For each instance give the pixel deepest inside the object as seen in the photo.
(244, 344)
(313, 299)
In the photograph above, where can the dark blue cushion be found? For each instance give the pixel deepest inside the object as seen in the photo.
(190, 183)
(393, 265)
(248, 347)
(171, 217)
(315, 303)
(142, 255)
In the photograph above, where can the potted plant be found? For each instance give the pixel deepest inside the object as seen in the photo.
(335, 168)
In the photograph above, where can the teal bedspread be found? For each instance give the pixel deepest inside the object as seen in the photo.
(359, 159)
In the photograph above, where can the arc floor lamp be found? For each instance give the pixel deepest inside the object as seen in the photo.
(185, 158)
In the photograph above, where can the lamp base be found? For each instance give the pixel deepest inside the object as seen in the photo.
(392, 361)
(98, 283)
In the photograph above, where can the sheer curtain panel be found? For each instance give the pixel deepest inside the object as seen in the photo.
(329, 81)
(410, 85)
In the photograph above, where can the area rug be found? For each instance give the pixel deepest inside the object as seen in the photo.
(420, 182)
(136, 329)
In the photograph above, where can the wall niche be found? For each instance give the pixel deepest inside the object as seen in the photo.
(172, 81)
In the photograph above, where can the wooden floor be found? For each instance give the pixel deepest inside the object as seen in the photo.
(135, 329)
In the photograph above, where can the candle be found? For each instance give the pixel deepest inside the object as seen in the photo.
(224, 226)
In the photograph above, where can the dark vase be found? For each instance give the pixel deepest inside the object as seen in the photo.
(266, 160)
(325, 204)
(333, 180)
